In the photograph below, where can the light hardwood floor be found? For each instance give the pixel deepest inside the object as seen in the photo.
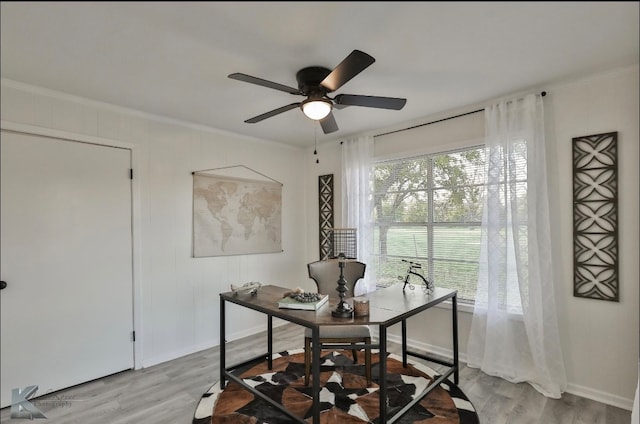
(169, 392)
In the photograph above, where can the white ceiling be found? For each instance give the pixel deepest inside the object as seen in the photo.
(173, 58)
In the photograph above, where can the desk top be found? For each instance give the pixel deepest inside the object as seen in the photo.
(386, 306)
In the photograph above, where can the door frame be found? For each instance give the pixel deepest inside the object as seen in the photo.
(26, 129)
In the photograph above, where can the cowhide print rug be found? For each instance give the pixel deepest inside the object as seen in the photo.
(344, 397)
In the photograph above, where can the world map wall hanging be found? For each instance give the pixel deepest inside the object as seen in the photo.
(595, 216)
(235, 213)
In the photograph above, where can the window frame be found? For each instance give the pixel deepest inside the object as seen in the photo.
(431, 224)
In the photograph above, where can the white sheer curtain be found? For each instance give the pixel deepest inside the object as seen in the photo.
(357, 202)
(514, 331)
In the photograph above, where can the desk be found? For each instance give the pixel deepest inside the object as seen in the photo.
(387, 307)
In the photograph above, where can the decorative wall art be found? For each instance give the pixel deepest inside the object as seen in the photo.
(595, 216)
(325, 202)
(234, 214)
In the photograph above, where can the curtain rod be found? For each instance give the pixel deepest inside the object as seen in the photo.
(544, 93)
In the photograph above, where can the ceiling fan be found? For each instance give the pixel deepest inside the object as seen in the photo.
(315, 82)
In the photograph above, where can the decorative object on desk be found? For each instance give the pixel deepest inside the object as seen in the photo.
(343, 310)
(595, 217)
(301, 296)
(299, 299)
(236, 211)
(251, 288)
(361, 307)
(427, 285)
(347, 398)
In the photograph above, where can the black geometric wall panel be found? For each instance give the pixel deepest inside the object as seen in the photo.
(595, 217)
(325, 193)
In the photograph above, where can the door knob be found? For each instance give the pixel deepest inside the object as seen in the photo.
(3, 285)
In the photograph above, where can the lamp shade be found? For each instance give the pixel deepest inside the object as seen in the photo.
(316, 109)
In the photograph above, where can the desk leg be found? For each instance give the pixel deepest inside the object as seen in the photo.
(270, 341)
(404, 343)
(222, 344)
(315, 373)
(454, 309)
(383, 374)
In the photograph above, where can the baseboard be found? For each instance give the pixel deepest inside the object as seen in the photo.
(600, 396)
(170, 356)
(432, 349)
(574, 389)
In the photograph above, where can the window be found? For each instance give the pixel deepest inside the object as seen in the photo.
(428, 209)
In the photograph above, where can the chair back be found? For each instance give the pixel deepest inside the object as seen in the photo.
(327, 273)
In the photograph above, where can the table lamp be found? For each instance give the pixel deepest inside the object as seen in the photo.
(343, 310)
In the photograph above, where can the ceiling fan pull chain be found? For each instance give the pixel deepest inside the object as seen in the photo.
(315, 138)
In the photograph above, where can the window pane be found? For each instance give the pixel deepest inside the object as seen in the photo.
(456, 252)
(401, 242)
(404, 206)
(461, 276)
(405, 175)
(459, 168)
(457, 243)
(463, 204)
(428, 210)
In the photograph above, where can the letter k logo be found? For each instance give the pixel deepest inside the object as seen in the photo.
(20, 405)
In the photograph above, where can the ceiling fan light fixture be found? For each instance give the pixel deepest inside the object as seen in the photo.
(315, 82)
(316, 109)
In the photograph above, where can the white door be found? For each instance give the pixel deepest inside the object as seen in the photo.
(66, 313)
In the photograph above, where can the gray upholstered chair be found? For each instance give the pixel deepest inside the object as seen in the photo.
(326, 274)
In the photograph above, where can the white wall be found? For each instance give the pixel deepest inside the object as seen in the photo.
(177, 295)
(599, 338)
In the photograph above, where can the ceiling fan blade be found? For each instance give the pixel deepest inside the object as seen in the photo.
(329, 124)
(370, 101)
(351, 66)
(264, 83)
(272, 113)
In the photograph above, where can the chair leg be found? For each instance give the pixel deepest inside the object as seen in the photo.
(307, 360)
(367, 362)
(354, 352)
